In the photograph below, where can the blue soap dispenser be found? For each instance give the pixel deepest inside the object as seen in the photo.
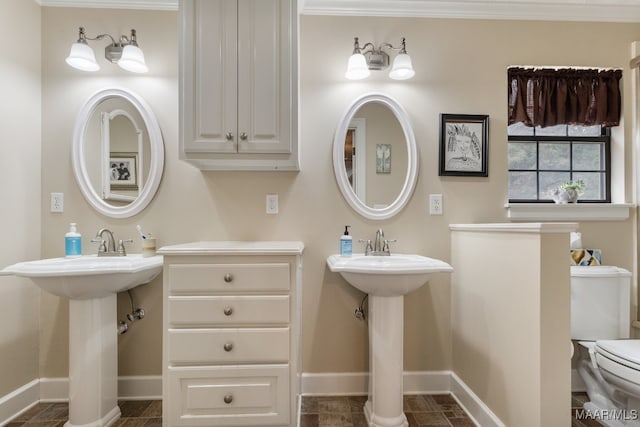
(72, 242)
(346, 242)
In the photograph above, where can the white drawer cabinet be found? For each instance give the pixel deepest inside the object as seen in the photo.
(238, 84)
(231, 334)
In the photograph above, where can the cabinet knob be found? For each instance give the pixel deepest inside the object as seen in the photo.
(228, 399)
(228, 311)
(243, 136)
(228, 346)
(229, 136)
(228, 278)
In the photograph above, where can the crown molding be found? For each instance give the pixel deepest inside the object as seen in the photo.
(113, 4)
(540, 10)
(547, 10)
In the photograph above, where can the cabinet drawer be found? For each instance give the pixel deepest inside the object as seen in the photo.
(229, 396)
(228, 310)
(229, 277)
(246, 345)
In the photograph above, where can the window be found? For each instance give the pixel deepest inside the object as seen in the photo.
(540, 159)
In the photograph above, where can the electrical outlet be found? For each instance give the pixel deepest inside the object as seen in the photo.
(435, 204)
(57, 202)
(272, 204)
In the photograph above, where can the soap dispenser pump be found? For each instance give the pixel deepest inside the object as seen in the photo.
(346, 242)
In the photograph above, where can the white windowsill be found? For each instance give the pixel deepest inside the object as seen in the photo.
(568, 212)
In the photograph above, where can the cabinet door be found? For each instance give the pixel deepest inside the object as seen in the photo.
(264, 76)
(208, 78)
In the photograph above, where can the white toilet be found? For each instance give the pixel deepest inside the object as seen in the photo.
(609, 362)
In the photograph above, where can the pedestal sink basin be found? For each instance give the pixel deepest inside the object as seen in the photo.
(91, 284)
(386, 279)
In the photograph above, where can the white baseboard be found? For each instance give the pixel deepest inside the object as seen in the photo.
(427, 382)
(18, 401)
(57, 390)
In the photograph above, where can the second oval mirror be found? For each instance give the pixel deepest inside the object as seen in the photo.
(375, 156)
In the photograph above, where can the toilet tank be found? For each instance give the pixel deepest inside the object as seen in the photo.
(600, 302)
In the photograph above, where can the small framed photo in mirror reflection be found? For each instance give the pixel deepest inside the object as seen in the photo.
(123, 169)
(464, 140)
(383, 158)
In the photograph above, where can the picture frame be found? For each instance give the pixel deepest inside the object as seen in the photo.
(464, 144)
(124, 171)
(383, 158)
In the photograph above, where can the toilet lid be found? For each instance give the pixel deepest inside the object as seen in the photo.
(626, 352)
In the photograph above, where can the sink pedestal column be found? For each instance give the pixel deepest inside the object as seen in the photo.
(386, 328)
(93, 362)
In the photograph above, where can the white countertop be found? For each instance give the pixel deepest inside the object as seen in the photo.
(234, 247)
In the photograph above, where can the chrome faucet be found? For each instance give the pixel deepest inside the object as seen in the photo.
(108, 247)
(380, 246)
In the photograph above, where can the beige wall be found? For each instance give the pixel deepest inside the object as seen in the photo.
(461, 68)
(20, 189)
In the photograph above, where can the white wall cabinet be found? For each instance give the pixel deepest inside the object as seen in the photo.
(238, 84)
(231, 334)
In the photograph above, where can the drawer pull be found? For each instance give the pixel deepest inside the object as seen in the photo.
(228, 346)
(228, 278)
(228, 399)
(228, 311)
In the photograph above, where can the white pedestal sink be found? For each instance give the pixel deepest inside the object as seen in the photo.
(386, 279)
(91, 284)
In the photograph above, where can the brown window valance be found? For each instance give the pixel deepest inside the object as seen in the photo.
(548, 97)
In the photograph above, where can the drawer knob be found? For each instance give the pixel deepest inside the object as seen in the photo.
(228, 399)
(229, 136)
(228, 278)
(228, 346)
(228, 311)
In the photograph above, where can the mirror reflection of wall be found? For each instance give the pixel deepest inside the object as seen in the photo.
(374, 130)
(116, 133)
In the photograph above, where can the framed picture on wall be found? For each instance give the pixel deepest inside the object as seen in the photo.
(383, 158)
(124, 170)
(464, 140)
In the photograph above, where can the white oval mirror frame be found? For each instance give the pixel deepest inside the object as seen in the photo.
(156, 154)
(412, 162)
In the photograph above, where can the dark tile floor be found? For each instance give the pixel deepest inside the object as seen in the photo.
(346, 411)
(135, 413)
(327, 411)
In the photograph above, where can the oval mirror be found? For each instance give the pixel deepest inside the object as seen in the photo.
(117, 152)
(375, 156)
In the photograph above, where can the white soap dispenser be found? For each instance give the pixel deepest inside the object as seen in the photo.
(72, 242)
(346, 242)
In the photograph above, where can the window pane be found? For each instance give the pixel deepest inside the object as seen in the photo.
(595, 130)
(519, 129)
(594, 185)
(588, 156)
(554, 156)
(522, 185)
(522, 155)
(549, 181)
(558, 130)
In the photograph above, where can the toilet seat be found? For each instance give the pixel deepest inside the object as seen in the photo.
(625, 352)
(619, 363)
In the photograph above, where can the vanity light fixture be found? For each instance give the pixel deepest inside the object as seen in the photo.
(124, 52)
(370, 57)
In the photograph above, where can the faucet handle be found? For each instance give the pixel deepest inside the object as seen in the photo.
(102, 244)
(385, 248)
(121, 249)
(367, 248)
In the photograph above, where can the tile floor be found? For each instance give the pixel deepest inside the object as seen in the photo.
(327, 411)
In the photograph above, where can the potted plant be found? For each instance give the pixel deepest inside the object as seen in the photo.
(568, 192)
